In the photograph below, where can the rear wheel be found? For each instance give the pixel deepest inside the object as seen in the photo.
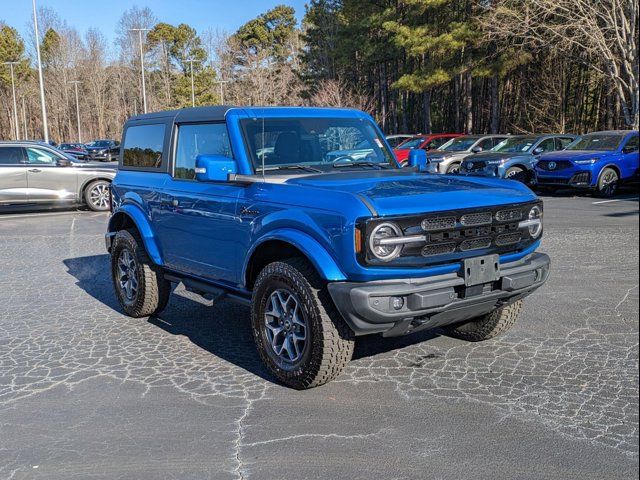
(300, 336)
(139, 284)
(97, 196)
(489, 325)
(607, 183)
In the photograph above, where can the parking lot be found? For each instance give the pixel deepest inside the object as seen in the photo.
(86, 392)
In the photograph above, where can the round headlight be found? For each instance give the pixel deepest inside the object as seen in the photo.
(535, 221)
(381, 241)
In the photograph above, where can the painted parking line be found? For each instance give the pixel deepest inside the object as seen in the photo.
(616, 200)
(48, 214)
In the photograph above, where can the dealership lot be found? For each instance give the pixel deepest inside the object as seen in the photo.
(86, 392)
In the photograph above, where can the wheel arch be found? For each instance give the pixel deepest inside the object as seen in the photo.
(287, 243)
(128, 217)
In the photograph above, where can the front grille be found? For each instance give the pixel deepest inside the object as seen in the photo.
(508, 239)
(450, 236)
(553, 181)
(475, 244)
(473, 219)
(438, 249)
(559, 165)
(509, 215)
(438, 223)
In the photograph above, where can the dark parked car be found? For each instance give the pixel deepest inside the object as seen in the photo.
(35, 175)
(514, 157)
(77, 150)
(599, 161)
(103, 150)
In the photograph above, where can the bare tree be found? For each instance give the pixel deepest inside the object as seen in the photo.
(601, 33)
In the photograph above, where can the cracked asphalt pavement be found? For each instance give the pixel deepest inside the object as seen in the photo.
(86, 392)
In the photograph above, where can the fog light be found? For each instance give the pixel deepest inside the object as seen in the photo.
(397, 303)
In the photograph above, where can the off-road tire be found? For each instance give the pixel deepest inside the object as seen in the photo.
(601, 190)
(453, 168)
(489, 325)
(330, 341)
(153, 290)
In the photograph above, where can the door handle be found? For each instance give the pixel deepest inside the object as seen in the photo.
(34, 170)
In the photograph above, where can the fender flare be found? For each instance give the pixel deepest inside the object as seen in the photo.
(319, 257)
(139, 219)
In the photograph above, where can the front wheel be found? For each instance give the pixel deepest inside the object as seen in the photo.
(453, 168)
(299, 334)
(515, 173)
(607, 183)
(489, 325)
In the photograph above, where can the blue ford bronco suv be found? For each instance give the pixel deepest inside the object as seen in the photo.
(258, 206)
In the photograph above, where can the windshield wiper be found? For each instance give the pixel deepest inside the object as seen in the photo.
(290, 167)
(360, 164)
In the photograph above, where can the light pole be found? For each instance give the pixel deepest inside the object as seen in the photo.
(15, 104)
(144, 90)
(75, 84)
(193, 91)
(24, 120)
(221, 82)
(45, 128)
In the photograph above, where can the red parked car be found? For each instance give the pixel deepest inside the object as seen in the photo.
(429, 141)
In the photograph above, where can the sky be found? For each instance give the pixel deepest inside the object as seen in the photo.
(224, 15)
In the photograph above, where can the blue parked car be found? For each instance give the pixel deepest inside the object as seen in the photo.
(597, 161)
(514, 157)
(255, 206)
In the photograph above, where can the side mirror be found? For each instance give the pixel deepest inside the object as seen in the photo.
(63, 162)
(214, 168)
(476, 149)
(538, 150)
(418, 158)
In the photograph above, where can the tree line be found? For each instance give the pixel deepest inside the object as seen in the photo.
(415, 65)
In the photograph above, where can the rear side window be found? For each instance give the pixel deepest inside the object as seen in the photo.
(143, 146)
(562, 142)
(199, 139)
(11, 155)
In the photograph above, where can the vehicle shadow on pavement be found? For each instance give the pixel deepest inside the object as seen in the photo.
(222, 329)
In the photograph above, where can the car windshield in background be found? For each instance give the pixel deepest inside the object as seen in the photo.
(412, 143)
(99, 143)
(515, 144)
(459, 144)
(314, 144)
(596, 142)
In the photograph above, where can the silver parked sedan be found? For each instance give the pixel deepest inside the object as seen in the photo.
(34, 175)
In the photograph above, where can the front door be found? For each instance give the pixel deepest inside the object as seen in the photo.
(630, 158)
(46, 180)
(13, 176)
(198, 223)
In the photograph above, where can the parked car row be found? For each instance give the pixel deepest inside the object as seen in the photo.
(599, 161)
(98, 150)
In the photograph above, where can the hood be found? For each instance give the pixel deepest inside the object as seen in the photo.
(400, 192)
(574, 155)
(488, 156)
(438, 155)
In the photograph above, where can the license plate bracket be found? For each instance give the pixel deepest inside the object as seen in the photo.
(479, 270)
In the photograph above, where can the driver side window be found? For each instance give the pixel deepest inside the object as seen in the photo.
(36, 156)
(632, 145)
(548, 145)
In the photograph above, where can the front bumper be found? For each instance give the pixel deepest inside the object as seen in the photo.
(570, 177)
(433, 301)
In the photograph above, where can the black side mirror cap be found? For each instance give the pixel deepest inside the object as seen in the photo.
(476, 149)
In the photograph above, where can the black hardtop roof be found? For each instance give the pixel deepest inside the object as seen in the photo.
(215, 113)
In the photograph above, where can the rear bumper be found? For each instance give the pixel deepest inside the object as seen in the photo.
(433, 301)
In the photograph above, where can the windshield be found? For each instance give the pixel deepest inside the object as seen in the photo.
(99, 143)
(515, 144)
(315, 143)
(412, 143)
(459, 144)
(597, 142)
